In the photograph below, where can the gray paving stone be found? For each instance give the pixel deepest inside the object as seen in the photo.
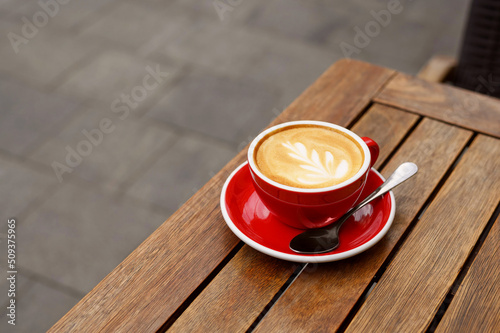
(306, 20)
(223, 48)
(291, 66)
(21, 186)
(65, 16)
(223, 10)
(451, 33)
(116, 153)
(4, 4)
(113, 73)
(42, 55)
(411, 53)
(134, 24)
(28, 116)
(245, 69)
(355, 15)
(220, 106)
(6, 7)
(22, 285)
(404, 43)
(80, 234)
(37, 309)
(181, 171)
(176, 21)
(410, 37)
(21, 282)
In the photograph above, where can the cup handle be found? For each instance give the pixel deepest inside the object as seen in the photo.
(374, 149)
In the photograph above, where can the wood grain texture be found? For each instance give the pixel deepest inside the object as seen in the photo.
(387, 126)
(237, 295)
(146, 289)
(323, 295)
(422, 272)
(438, 68)
(476, 306)
(452, 105)
(338, 95)
(153, 281)
(246, 299)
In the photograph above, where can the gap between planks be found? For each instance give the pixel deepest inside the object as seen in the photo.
(200, 288)
(302, 267)
(297, 271)
(371, 103)
(286, 285)
(352, 102)
(276, 297)
(434, 118)
(463, 272)
(182, 309)
(381, 308)
(401, 143)
(405, 235)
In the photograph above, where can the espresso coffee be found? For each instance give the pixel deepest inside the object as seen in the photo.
(309, 156)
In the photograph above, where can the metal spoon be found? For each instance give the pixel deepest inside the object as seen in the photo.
(326, 239)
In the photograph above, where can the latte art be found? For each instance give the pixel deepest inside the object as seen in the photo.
(309, 157)
(320, 170)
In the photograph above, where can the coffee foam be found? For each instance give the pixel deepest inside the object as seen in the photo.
(308, 156)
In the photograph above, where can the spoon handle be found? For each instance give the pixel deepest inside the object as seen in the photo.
(326, 239)
(402, 173)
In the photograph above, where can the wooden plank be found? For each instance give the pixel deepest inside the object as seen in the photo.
(421, 274)
(476, 306)
(387, 126)
(244, 297)
(237, 295)
(146, 289)
(338, 95)
(452, 105)
(154, 280)
(438, 68)
(323, 295)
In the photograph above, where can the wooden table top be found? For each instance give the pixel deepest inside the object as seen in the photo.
(437, 269)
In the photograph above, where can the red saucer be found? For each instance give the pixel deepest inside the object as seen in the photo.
(250, 220)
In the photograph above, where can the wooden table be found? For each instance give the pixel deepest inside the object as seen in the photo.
(438, 268)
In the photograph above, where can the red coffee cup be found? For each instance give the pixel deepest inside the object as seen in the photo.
(306, 208)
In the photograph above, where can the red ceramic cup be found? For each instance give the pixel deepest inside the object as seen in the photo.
(313, 207)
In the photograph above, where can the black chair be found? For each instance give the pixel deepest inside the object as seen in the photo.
(478, 66)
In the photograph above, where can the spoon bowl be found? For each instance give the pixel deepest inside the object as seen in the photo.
(316, 241)
(323, 240)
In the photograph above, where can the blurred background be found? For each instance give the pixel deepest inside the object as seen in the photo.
(113, 113)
